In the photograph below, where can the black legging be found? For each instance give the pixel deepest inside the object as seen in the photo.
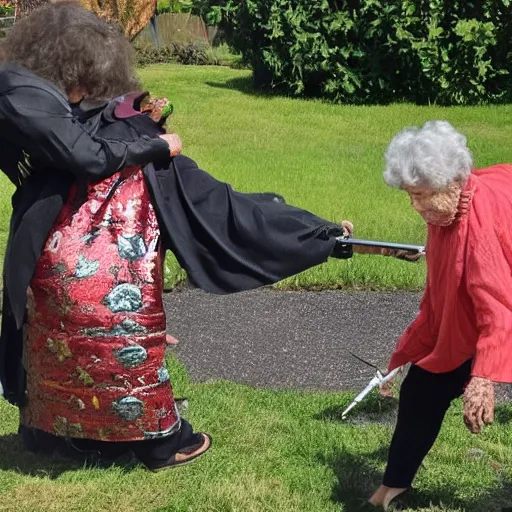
(424, 399)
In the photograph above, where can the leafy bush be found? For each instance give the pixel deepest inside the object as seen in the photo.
(194, 54)
(173, 6)
(6, 9)
(366, 51)
(182, 53)
(147, 53)
(6, 12)
(203, 7)
(224, 56)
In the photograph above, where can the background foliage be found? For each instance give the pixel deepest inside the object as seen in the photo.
(367, 51)
(187, 53)
(6, 8)
(174, 6)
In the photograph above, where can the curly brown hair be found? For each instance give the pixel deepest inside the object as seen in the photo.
(73, 47)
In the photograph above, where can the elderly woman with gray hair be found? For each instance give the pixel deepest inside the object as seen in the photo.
(461, 341)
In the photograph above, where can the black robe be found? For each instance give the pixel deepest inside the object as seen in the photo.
(225, 240)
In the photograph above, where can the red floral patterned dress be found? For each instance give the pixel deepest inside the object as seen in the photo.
(94, 343)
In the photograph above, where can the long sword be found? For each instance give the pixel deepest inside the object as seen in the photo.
(375, 243)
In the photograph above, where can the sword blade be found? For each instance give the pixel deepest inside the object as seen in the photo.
(376, 243)
(373, 384)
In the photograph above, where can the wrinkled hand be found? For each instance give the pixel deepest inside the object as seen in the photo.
(401, 254)
(478, 404)
(383, 251)
(390, 388)
(158, 109)
(348, 227)
(174, 141)
(386, 390)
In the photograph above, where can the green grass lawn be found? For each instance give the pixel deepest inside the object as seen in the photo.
(284, 450)
(325, 158)
(272, 452)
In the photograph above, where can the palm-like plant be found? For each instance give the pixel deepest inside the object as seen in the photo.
(132, 15)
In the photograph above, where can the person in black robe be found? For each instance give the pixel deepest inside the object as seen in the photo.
(226, 241)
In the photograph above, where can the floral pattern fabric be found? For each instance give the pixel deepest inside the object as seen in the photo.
(94, 340)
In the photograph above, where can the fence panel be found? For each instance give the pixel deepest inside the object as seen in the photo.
(178, 28)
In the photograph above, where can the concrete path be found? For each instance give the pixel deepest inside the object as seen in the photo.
(289, 339)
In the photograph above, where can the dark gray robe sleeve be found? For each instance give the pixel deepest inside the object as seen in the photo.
(228, 241)
(43, 125)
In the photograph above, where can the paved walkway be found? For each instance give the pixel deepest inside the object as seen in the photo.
(288, 339)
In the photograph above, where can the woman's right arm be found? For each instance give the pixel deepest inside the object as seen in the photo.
(394, 253)
(42, 124)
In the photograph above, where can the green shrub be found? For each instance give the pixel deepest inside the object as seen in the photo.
(6, 9)
(367, 51)
(182, 53)
(224, 56)
(194, 54)
(147, 53)
(173, 6)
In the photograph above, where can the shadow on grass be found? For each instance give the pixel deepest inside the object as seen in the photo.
(375, 409)
(245, 85)
(358, 475)
(503, 415)
(382, 411)
(13, 457)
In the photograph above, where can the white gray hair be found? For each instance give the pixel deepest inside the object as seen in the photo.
(433, 156)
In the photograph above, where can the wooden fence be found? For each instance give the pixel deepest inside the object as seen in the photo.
(164, 29)
(177, 28)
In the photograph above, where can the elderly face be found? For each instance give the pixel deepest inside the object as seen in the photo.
(437, 207)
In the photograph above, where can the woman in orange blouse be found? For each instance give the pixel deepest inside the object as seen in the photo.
(461, 340)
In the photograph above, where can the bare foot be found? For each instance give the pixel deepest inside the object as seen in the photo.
(171, 340)
(383, 496)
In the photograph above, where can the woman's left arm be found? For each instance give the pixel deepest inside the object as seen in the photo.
(489, 281)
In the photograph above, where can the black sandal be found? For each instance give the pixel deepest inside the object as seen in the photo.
(188, 453)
